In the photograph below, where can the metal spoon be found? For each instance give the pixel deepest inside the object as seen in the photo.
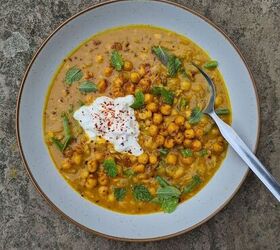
(238, 145)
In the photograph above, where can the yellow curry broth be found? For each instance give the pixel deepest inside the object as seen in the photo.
(162, 126)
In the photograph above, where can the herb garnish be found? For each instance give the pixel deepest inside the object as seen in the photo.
(222, 111)
(128, 172)
(194, 183)
(73, 74)
(211, 65)
(166, 95)
(186, 152)
(183, 102)
(141, 193)
(161, 53)
(119, 193)
(110, 167)
(116, 60)
(203, 152)
(87, 87)
(173, 65)
(163, 151)
(138, 100)
(195, 115)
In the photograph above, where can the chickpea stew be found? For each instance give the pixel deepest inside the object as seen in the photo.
(180, 149)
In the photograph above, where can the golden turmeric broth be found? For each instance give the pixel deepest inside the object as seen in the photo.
(182, 148)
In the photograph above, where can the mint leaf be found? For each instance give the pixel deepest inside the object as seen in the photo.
(162, 182)
(183, 102)
(193, 184)
(186, 152)
(211, 65)
(203, 152)
(128, 172)
(110, 167)
(196, 115)
(162, 54)
(141, 193)
(73, 74)
(138, 100)
(57, 143)
(168, 191)
(222, 111)
(166, 95)
(119, 193)
(116, 60)
(87, 87)
(173, 65)
(169, 205)
(163, 151)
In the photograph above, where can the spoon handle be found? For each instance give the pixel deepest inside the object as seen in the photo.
(246, 154)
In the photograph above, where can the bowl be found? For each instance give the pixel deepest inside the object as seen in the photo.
(220, 189)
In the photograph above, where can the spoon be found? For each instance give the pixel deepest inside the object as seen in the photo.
(238, 145)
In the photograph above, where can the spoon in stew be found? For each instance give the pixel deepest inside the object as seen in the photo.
(237, 143)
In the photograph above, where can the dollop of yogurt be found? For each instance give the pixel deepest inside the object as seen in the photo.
(114, 120)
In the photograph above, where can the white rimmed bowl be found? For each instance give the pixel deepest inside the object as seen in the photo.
(54, 188)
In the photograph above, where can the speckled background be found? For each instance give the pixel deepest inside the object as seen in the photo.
(250, 221)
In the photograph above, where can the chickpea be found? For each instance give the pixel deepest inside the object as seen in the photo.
(91, 183)
(157, 118)
(179, 138)
(189, 133)
(144, 84)
(111, 198)
(199, 132)
(148, 98)
(165, 109)
(152, 107)
(103, 180)
(143, 158)
(102, 85)
(149, 143)
(140, 168)
(187, 142)
(99, 59)
(186, 160)
(218, 147)
(180, 120)
(160, 140)
(188, 113)
(135, 77)
(66, 164)
(76, 158)
(84, 173)
(89, 99)
(169, 143)
(88, 75)
(103, 190)
(118, 82)
(152, 191)
(196, 145)
(153, 159)
(171, 159)
(92, 166)
(108, 71)
(146, 114)
(153, 130)
(185, 85)
(127, 66)
(215, 131)
(178, 173)
(218, 100)
(99, 156)
(142, 70)
(129, 88)
(172, 128)
(174, 111)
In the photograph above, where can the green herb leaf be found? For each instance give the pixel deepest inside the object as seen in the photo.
(203, 152)
(141, 193)
(211, 65)
(169, 205)
(162, 54)
(195, 115)
(194, 183)
(138, 101)
(87, 87)
(168, 191)
(186, 152)
(162, 182)
(110, 167)
(66, 142)
(183, 102)
(116, 60)
(173, 65)
(119, 193)
(66, 126)
(163, 151)
(222, 111)
(128, 172)
(167, 95)
(73, 74)
(57, 143)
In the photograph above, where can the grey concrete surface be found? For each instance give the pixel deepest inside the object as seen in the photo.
(252, 218)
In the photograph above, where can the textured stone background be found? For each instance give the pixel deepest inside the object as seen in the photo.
(250, 221)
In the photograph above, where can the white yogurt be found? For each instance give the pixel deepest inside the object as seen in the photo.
(114, 120)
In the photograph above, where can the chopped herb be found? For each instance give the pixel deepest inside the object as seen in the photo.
(168, 205)
(66, 142)
(73, 74)
(195, 115)
(162, 182)
(138, 100)
(66, 126)
(203, 152)
(162, 54)
(57, 143)
(116, 60)
(186, 152)
(110, 167)
(169, 191)
(141, 193)
(128, 172)
(167, 95)
(222, 111)
(183, 102)
(194, 183)
(211, 65)
(87, 87)
(163, 151)
(173, 65)
(119, 193)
